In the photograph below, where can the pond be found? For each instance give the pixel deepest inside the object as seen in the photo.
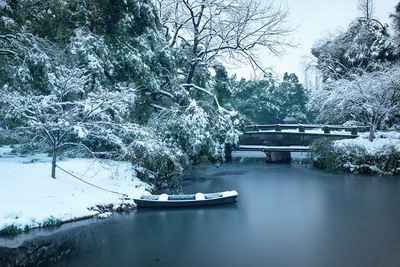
(285, 215)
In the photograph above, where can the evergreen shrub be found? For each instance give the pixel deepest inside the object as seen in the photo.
(11, 230)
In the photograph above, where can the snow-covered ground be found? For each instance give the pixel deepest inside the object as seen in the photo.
(381, 139)
(29, 196)
(377, 157)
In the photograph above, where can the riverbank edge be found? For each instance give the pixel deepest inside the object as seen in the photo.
(105, 211)
(358, 156)
(43, 249)
(32, 199)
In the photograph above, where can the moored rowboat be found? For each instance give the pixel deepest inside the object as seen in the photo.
(199, 199)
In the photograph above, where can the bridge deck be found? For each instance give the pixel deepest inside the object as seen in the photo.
(303, 127)
(274, 148)
(310, 133)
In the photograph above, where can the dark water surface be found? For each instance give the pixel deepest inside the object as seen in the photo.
(286, 215)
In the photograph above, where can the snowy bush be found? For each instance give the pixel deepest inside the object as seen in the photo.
(354, 157)
(11, 230)
(51, 222)
(8, 137)
(199, 132)
(324, 156)
(155, 160)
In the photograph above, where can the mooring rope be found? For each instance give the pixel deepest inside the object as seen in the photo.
(86, 182)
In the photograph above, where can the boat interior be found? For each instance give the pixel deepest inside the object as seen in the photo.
(198, 196)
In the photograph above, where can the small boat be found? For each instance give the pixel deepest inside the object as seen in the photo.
(199, 199)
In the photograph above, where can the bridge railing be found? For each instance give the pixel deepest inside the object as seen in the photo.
(303, 127)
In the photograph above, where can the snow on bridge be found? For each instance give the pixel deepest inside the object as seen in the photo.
(277, 141)
(296, 134)
(274, 148)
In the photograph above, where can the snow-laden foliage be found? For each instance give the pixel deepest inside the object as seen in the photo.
(380, 157)
(371, 98)
(25, 59)
(115, 42)
(66, 104)
(359, 75)
(154, 157)
(66, 113)
(365, 43)
(4, 5)
(201, 132)
(396, 22)
(96, 77)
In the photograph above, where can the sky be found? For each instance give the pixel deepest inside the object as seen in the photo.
(314, 19)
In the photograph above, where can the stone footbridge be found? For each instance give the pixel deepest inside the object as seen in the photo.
(279, 140)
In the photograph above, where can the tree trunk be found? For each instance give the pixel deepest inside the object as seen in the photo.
(191, 73)
(194, 51)
(53, 163)
(371, 135)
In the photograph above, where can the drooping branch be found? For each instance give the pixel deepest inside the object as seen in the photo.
(188, 86)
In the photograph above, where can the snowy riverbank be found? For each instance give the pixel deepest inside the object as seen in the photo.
(381, 156)
(29, 197)
(381, 140)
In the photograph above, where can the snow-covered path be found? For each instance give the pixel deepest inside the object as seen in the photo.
(29, 196)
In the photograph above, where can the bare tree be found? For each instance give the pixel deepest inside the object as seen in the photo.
(366, 8)
(234, 30)
(312, 76)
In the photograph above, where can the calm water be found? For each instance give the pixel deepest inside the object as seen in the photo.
(286, 215)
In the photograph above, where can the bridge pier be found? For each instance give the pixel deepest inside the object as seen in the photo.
(278, 156)
(228, 152)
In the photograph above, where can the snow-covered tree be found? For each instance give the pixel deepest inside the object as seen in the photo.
(222, 84)
(396, 23)
(201, 131)
(111, 52)
(359, 73)
(67, 113)
(364, 44)
(370, 98)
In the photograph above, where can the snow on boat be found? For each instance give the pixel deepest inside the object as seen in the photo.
(199, 199)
